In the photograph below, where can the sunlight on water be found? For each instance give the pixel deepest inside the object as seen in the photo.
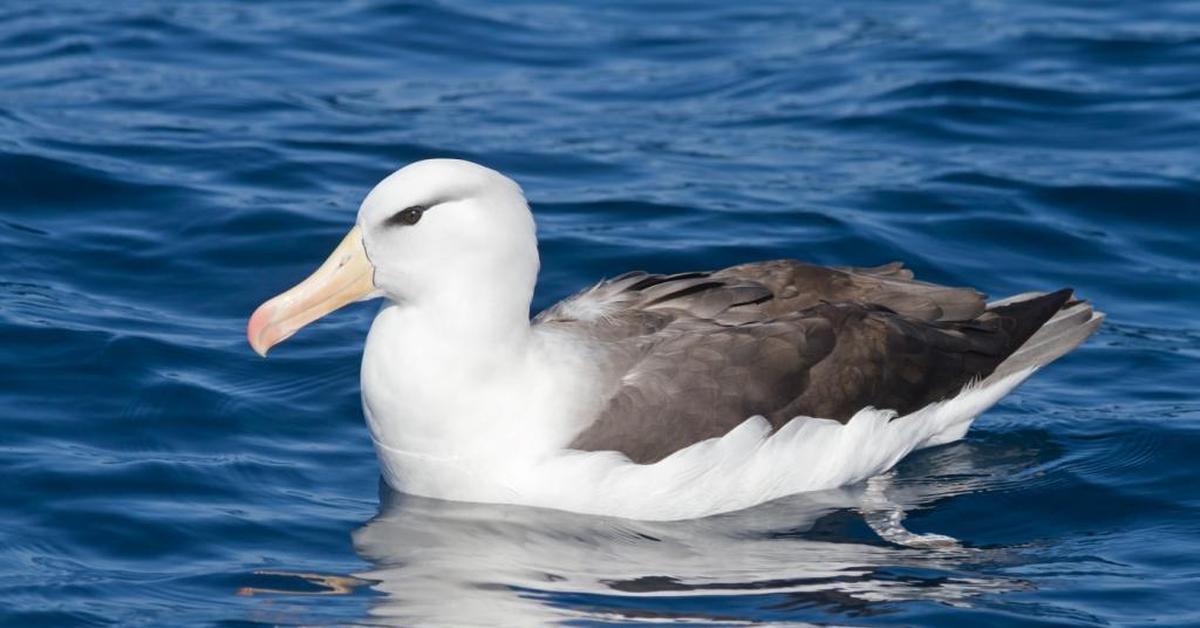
(164, 167)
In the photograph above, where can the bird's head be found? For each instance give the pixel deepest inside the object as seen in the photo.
(438, 228)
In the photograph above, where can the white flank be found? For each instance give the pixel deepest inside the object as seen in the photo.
(748, 466)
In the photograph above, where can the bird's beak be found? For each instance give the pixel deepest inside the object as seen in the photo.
(347, 276)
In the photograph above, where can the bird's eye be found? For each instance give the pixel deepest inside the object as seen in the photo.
(407, 216)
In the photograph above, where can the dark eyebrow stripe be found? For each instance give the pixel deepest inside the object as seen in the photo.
(394, 219)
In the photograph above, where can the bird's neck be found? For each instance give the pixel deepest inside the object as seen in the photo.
(470, 316)
(444, 359)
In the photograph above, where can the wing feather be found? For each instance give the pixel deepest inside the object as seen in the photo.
(692, 355)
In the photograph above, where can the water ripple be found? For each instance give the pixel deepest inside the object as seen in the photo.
(167, 166)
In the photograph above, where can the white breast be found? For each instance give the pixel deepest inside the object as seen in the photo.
(451, 426)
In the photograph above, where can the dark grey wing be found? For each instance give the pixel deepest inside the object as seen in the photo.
(694, 378)
(763, 291)
(798, 286)
(890, 361)
(699, 380)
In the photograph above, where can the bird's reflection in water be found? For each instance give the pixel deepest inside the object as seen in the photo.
(438, 562)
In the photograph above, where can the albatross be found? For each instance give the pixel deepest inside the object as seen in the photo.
(647, 396)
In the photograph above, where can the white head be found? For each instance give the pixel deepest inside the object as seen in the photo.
(443, 234)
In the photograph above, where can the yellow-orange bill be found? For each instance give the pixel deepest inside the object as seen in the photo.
(347, 276)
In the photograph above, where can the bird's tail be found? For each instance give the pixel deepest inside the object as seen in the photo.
(1066, 329)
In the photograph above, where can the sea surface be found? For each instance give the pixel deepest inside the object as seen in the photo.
(166, 166)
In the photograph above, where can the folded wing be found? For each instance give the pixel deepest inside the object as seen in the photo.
(693, 355)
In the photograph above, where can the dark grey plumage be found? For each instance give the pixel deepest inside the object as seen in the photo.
(690, 356)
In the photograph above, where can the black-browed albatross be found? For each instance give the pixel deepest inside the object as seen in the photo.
(648, 396)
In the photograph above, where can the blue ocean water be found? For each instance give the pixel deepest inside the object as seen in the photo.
(166, 166)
